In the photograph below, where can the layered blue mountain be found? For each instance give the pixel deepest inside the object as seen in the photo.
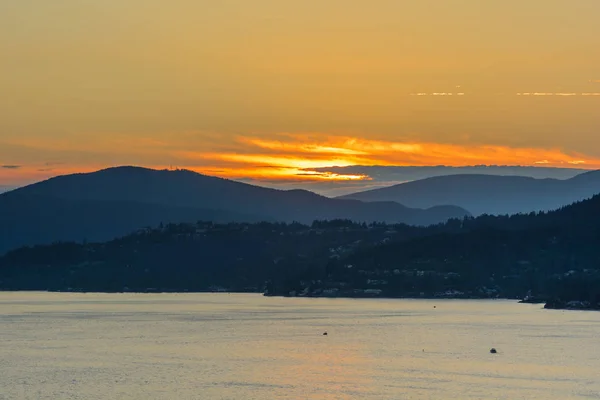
(488, 194)
(551, 257)
(113, 202)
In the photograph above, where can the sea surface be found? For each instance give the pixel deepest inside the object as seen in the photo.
(244, 346)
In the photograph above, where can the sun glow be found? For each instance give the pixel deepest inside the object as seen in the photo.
(279, 174)
(285, 157)
(297, 157)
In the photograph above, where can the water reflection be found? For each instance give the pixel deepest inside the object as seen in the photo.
(249, 347)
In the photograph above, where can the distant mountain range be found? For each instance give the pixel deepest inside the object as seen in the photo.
(385, 176)
(4, 188)
(488, 194)
(105, 204)
(547, 257)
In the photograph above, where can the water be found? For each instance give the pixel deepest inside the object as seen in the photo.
(220, 346)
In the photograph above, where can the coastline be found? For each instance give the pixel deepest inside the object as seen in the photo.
(550, 304)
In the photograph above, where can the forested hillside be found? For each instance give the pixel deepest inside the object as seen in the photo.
(552, 257)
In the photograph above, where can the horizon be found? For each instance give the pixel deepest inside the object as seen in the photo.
(385, 176)
(299, 199)
(276, 92)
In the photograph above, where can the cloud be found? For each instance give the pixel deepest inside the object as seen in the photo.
(10, 166)
(295, 147)
(286, 157)
(563, 94)
(304, 157)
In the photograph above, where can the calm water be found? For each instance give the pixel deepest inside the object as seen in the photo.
(220, 346)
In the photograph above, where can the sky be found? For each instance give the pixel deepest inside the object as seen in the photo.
(272, 90)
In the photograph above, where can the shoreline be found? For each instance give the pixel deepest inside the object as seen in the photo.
(573, 305)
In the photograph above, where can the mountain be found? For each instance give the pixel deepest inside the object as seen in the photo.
(411, 173)
(385, 176)
(552, 257)
(549, 257)
(4, 188)
(34, 219)
(488, 194)
(187, 257)
(116, 201)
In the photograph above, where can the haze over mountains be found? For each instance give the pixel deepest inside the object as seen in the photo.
(385, 176)
(550, 257)
(116, 201)
(487, 194)
(113, 202)
(547, 257)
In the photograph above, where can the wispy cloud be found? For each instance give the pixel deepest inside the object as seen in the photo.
(284, 157)
(301, 156)
(438, 94)
(533, 94)
(560, 94)
(539, 93)
(280, 145)
(10, 166)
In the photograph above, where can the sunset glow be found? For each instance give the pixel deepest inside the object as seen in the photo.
(296, 156)
(269, 90)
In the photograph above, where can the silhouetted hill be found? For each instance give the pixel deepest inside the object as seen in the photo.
(552, 257)
(35, 219)
(549, 257)
(386, 176)
(183, 188)
(188, 257)
(4, 188)
(112, 202)
(488, 194)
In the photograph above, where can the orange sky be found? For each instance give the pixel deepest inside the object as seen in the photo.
(283, 157)
(232, 87)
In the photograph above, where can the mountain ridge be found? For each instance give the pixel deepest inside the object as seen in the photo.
(489, 194)
(544, 257)
(172, 196)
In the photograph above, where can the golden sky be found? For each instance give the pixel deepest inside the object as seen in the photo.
(272, 88)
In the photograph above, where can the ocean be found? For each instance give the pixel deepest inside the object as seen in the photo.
(246, 346)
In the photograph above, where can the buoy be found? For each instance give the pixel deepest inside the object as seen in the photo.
(493, 351)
